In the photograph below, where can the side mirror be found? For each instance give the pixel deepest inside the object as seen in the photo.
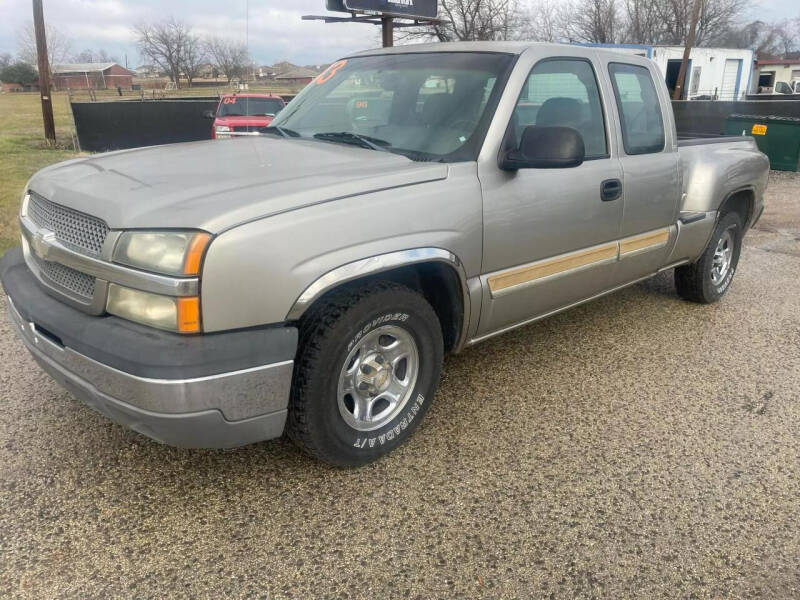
(546, 148)
(209, 114)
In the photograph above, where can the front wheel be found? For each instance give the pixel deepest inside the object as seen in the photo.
(369, 362)
(708, 279)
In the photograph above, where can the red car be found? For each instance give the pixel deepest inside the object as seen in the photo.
(244, 113)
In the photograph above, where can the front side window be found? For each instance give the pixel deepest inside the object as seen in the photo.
(427, 106)
(639, 109)
(563, 92)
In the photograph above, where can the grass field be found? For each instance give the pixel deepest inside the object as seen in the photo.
(23, 152)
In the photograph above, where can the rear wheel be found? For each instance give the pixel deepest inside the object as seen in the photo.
(708, 279)
(367, 368)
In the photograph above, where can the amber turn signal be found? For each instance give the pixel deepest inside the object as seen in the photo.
(194, 256)
(189, 315)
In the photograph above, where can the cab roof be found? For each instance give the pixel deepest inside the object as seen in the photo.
(500, 47)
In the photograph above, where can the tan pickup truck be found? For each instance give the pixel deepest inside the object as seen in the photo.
(409, 202)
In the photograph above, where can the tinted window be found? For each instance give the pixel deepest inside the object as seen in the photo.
(563, 93)
(639, 109)
(243, 106)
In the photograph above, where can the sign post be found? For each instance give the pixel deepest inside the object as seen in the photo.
(387, 31)
(384, 13)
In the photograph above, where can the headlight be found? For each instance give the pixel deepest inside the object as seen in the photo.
(168, 252)
(173, 314)
(222, 129)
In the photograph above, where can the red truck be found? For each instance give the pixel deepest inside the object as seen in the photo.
(239, 114)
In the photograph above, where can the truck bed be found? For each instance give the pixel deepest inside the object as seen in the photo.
(695, 139)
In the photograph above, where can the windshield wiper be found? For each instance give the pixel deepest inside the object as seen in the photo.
(348, 137)
(287, 133)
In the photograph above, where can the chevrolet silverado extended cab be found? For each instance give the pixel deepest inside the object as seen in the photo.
(409, 202)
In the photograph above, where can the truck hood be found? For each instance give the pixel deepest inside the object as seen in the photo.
(217, 185)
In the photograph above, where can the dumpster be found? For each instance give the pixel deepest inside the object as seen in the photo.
(777, 137)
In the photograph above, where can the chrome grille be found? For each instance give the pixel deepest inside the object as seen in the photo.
(68, 278)
(71, 227)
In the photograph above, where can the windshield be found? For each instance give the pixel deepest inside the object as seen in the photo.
(238, 106)
(427, 106)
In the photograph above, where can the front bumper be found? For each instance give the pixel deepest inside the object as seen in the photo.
(207, 391)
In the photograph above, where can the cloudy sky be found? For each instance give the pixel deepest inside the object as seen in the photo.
(276, 31)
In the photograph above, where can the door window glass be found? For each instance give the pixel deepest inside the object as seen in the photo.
(639, 109)
(563, 93)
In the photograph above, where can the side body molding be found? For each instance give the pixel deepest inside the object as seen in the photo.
(379, 264)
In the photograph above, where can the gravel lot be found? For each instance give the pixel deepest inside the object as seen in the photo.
(637, 446)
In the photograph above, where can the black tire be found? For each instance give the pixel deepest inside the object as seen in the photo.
(694, 282)
(327, 335)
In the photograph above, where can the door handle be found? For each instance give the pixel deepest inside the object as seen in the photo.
(610, 189)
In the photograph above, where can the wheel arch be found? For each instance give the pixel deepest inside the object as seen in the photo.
(741, 201)
(435, 272)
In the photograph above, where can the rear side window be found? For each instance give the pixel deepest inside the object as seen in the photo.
(639, 109)
(563, 92)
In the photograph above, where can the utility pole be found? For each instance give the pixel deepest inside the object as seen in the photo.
(44, 72)
(678, 93)
(387, 29)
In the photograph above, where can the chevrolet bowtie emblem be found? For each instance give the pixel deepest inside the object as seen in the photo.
(41, 243)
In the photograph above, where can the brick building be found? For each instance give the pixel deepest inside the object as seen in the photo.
(299, 76)
(96, 76)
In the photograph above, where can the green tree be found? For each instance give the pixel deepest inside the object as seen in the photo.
(20, 72)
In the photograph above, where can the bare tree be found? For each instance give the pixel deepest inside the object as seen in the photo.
(192, 58)
(594, 21)
(758, 35)
(471, 20)
(6, 59)
(544, 22)
(646, 22)
(643, 23)
(787, 33)
(164, 43)
(769, 40)
(58, 45)
(228, 56)
(94, 56)
(717, 18)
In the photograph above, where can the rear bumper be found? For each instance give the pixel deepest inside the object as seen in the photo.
(215, 391)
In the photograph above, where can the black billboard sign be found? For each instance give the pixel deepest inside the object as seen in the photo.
(421, 9)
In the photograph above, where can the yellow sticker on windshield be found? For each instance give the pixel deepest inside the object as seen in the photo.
(759, 130)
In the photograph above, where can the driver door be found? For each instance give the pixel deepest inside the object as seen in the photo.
(550, 234)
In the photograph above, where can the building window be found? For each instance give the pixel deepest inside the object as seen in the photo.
(695, 85)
